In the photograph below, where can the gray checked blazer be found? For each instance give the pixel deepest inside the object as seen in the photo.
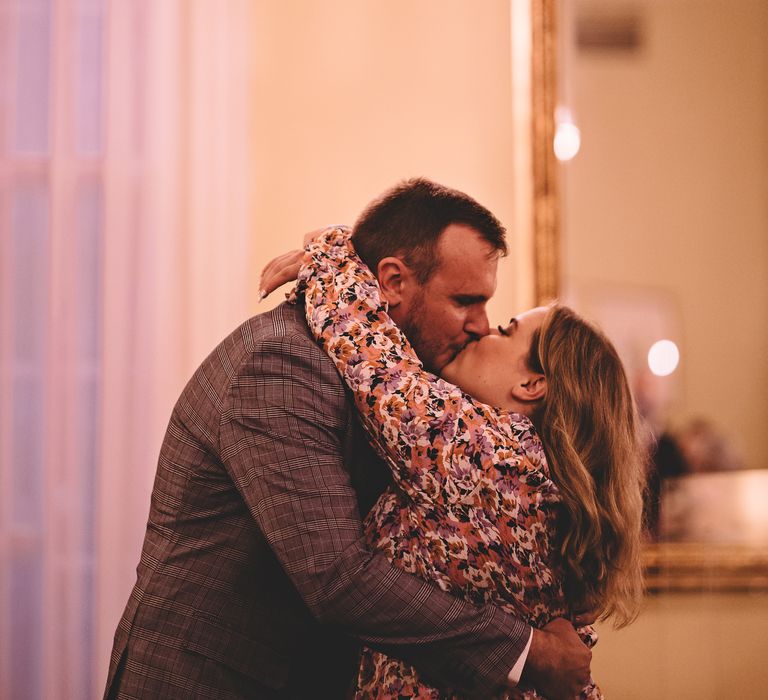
(254, 579)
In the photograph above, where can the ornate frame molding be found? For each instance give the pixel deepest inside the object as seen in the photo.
(546, 191)
(672, 567)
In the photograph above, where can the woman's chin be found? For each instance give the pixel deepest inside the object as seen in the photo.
(452, 373)
(447, 374)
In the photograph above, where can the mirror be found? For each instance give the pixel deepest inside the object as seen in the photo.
(665, 237)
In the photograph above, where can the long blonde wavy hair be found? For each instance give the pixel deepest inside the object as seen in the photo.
(590, 431)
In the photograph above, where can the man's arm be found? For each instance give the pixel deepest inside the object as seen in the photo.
(281, 439)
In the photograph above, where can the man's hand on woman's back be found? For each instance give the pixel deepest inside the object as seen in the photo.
(558, 661)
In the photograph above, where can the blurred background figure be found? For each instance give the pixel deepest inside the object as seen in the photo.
(705, 448)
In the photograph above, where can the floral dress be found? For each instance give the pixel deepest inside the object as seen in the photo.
(472, 506)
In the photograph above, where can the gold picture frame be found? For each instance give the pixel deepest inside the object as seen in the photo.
(670, 567)
(681, 567)
(546, 191)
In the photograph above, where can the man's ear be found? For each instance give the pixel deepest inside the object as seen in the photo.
(534, 388)
(395, 281)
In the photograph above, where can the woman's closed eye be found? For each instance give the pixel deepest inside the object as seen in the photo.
(511, 327)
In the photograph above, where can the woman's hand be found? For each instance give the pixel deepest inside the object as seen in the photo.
(586, 617)
(284, 268)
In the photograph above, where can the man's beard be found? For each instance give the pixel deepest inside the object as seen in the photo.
(426, 349)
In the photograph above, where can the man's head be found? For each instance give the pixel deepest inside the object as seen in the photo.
(434, 251)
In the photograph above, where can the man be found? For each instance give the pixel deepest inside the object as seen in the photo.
(254, 579)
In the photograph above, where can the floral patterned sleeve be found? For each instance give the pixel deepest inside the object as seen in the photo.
(435, 438)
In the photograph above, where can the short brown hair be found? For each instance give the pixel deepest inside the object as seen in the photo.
(408, 220)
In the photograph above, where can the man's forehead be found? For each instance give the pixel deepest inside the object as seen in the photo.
(466, 263)
(466, 278)
(461, 241)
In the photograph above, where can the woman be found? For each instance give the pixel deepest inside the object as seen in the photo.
(478, 505)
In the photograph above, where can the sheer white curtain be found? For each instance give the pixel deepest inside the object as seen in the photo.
(125, 228)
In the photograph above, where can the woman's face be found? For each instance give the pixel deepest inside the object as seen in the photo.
(495, 369)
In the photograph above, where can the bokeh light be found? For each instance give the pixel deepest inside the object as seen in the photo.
(663, 358)
(567, 140)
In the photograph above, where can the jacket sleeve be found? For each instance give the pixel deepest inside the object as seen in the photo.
(281, 439)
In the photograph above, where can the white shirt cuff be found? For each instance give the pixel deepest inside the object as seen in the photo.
(517, 669)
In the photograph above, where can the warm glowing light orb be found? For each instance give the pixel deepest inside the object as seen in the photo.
(663, 358)
(567, 140)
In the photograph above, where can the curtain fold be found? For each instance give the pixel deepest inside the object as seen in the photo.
(183, 254)
(125, 240)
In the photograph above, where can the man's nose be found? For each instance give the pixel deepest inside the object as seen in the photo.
(477, 324)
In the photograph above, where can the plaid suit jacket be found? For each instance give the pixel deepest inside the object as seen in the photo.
(254, 579)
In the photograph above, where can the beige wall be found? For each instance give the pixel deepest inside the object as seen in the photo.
(667, 201)
(688, 647)
(669, 196)
(353, 97)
